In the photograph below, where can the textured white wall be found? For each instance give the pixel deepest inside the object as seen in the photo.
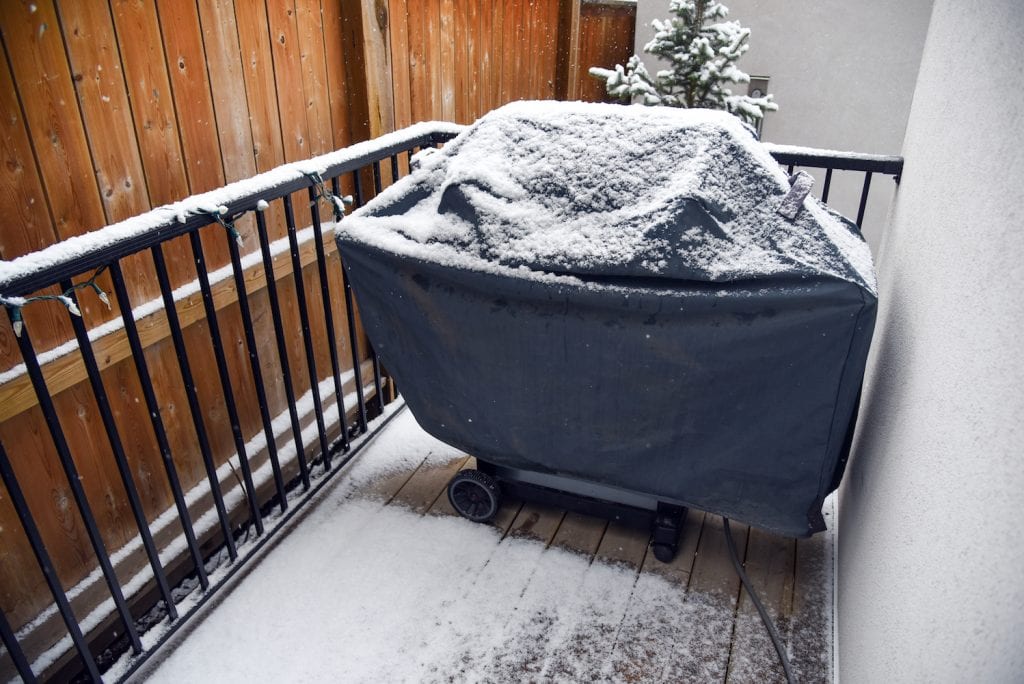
(842, 72)
(931, 547)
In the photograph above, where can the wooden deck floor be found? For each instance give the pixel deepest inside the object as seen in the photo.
(725, 642)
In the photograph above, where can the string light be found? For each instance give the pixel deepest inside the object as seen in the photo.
(229, 224)
(338, 204)
(16, 304)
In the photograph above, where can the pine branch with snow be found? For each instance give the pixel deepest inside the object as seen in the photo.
(701, 49)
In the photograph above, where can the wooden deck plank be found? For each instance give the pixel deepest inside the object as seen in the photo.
(769, 566)
(536, 521)
(637, 654)
(507, 513)
(442, 506)
(810, 633)
(623, 545)
(427, 484)
(711, 596)
(580, 533)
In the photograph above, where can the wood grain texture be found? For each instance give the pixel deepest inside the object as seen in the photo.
(193, 100)
(398, 11)
(254, 42)
(340, 90)
(22, 201)
(623, 545)
(427, 485)
(446, 50)
(605, 39)
(580, 533)
(102, 94)
(537, 522)
(377, 54)
(35, 49)
(456, 60)
(312, 58)
(155, 121)
(29, 226)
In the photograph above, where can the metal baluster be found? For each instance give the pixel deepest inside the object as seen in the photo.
(282, 348)
(10, 642)
(117, 448)
(790, 170)
(75, 482)
(225, 379)
(257, 370)
(377, 184)
(378, 396)
(394, 168)
(35, 540)
(863, 198)
(300, 295)
(332, 344)
(192, 394)
(357, 371)
(153, 405)
(828, 183)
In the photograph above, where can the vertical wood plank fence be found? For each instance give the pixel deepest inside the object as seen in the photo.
(455, 61)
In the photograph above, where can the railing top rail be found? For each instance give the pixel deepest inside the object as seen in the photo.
(835, 159)
(68, 258)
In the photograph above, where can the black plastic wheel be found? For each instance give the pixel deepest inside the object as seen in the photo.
(664, 552)
(474, 495)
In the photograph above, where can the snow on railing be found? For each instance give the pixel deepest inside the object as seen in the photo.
(193, 210)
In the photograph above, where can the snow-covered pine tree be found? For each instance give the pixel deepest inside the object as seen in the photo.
(701, 49)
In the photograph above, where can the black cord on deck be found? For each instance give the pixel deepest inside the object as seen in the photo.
(780, 648)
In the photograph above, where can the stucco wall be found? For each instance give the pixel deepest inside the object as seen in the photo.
(842, 72)
(931, 547)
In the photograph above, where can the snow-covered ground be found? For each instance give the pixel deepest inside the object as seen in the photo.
(368, 592)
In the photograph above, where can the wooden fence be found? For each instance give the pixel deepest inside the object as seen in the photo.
(110, 108)
(455, 60)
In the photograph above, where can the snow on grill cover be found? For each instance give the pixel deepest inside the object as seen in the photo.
(608, 292)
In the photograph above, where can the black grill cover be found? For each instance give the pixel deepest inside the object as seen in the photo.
(609, 293)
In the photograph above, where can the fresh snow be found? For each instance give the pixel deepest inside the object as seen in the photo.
(362, 592)
(233, 496)
(579, 191)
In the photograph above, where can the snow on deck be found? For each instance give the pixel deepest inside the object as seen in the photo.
(380, 582)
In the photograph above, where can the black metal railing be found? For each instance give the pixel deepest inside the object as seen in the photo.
(318, 453)
(314, 452)
(830, 161)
